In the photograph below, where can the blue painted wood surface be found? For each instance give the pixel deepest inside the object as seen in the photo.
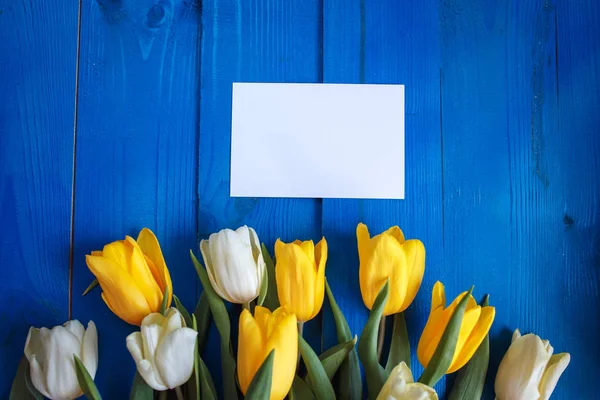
(131, 129)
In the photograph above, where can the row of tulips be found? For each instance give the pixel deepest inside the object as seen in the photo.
(277, 297)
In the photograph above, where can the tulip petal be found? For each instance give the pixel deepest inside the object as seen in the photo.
(149, 245)
(175, 356)
(151, 335)
(233, 268)
(120, 291)
(141, 274)
(521, 369)
(261, 269)
(321, 260)
(438, 296)
(37, 376)
(396, 232)
(172, 321)
(284, 339)
(415, 260)
(250, 348)
(34, 345)
(516, 334)
(208, 262)
(61, 379)
(308, 247)
(135, 346)
(362, 236)
(75, 327)
(150, 375)
(476, 336)
(296, 279)
(556, 366)
(89, 349)
(117, 252)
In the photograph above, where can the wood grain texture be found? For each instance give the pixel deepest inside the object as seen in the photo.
(515, 176)
(396, 43)
(136, 152)
(37, 90)
(253, 41)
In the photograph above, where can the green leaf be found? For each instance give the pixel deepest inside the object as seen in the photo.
(333, 358)
(140, 390)
(207, 385)
(221, 318)
(22, 388)
(375, 374)
(264, 288)
(471, 378)
(400, 346)
(202, 314)
(320, 383)
(184, 313)
(165, 301)
(271, 301)
(85, 381)
(193, 383)
(260, 387)
(442, 357)
(300, 390)
(350, 379)
(90, 287)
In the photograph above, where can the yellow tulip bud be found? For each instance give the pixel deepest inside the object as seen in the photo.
(389, 256)
(133, 276)
(300, 276)
(475, 326)
(259, 335)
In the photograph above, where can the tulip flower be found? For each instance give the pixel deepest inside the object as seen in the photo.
(401, 386)
(389, 256)
(300, 276)
(475, 325)
(529, 370)
(50, 354)
(259, 335)
(234, 263)
(164, 350)
(133, 276)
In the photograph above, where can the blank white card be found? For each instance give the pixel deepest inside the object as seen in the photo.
(317, 140)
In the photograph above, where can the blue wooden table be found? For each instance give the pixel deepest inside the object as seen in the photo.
(115, 115)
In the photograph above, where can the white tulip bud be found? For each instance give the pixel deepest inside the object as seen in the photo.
(234, 263)
(163, 350)
(401, 386)
(529, 370)
(51, 352)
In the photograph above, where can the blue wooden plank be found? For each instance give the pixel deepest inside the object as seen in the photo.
(521, 209)
(388, 42)
(37, 85)
(575, 179)
(136, 152)
(253, 41)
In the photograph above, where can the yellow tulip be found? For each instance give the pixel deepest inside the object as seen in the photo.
(133, 276)
(475, 326)
(300, 276)
(259, 335)
(389, 256)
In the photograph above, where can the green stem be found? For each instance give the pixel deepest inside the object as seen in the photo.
(380, 337)
(179, 393)
(246, 306)
(163, 395)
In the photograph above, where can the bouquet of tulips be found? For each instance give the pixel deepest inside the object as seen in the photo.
(278, 296)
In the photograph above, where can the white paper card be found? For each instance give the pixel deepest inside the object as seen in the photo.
(317, 140)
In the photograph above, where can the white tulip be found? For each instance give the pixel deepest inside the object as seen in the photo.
(163, 350)
(234, 263)
(401, 386)
(50, 354)
(528, 370)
